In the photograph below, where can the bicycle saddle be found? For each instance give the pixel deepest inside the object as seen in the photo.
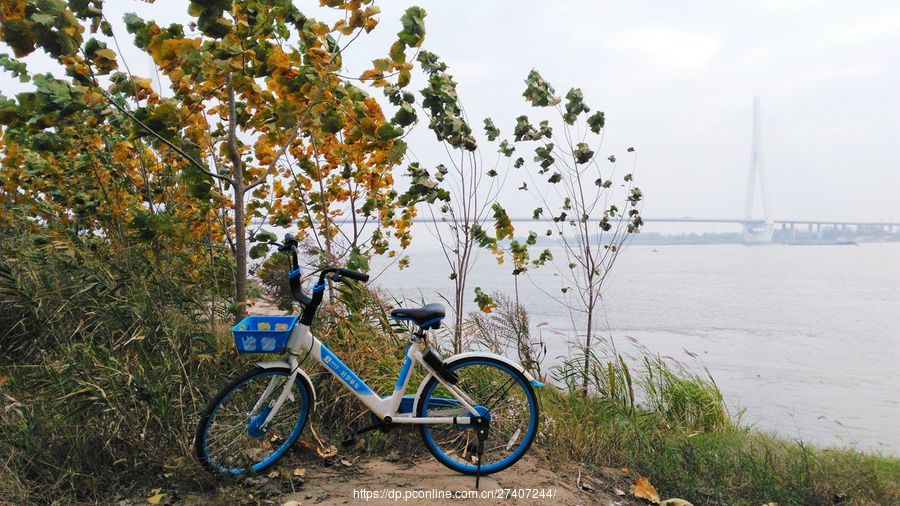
(426, 317)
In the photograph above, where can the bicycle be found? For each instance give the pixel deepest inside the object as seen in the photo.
(477, 413)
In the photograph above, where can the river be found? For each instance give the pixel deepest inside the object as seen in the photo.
(804, 341)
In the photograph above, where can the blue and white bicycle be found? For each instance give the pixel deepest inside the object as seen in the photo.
(477, 412)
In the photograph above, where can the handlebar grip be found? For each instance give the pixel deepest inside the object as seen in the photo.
(359, 276)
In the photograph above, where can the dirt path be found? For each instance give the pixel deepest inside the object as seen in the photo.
(421, 481)
(426, 482)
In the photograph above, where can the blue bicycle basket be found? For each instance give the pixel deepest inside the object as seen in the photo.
(263, 334)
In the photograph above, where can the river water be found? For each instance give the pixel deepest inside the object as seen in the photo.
(804, 341)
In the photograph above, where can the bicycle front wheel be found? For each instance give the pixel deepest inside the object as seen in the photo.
(501, 394)
(231, 437)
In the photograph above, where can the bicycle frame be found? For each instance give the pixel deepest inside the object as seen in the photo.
(302, 342)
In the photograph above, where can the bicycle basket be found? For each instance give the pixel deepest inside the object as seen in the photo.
(263, 334)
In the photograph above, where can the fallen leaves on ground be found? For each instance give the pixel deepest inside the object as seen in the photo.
(327, 453)
(156, 497)
(643, 489)
(675, 502)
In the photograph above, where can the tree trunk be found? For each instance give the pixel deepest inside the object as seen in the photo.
(587, 346)
(240, 253)
(240, 227)
(457, 327)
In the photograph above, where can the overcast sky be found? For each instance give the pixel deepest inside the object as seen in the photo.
(676, 80)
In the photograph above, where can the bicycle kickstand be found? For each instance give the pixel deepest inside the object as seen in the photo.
(481, 431)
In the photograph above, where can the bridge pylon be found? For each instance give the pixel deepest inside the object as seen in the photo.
(757, 232)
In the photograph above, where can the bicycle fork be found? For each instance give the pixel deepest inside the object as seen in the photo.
(285, 393)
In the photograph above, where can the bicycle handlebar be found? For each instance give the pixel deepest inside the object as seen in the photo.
(311, 303)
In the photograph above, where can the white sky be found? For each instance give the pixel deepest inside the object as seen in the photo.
(676, 80)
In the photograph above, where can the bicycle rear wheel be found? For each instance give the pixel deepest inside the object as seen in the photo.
(502, 394)
(230, 438)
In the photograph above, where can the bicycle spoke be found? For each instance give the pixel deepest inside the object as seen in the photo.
(229, 445)
(506, 400)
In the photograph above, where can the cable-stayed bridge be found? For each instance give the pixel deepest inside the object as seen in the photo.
(801, 231)
(761, 230)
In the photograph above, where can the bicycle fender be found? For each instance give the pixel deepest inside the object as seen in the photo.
(278, 364)
(476, 354)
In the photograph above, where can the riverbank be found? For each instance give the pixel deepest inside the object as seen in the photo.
(102, 404)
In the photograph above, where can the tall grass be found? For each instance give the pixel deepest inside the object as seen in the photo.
(106, 357)
(671, 425)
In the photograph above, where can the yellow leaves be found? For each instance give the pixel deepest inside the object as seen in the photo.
(264, 151)
(643, 489)
(170, 53)
(278, 60)
(12, 9)
(123, 152)
(371, 74)
(156, 497)
(326, 453)
(105, 60)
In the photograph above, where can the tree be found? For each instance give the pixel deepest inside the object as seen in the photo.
(461, 197)
(257, 87)
(591, 215)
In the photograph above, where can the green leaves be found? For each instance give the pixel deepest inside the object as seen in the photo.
(543, 258)
(491, 130)
(538, 91)
(484, 301)
(413, 32)
(48, 24)
(506, 149)
(502, 224)
(332, 122)
(357, 261)
(583, 153)
(210, 16)
(388, 131)
(102, 57)
(422, 187)
(405, 116)
(440, 98)
(574, 105)
(543, 156)
(53, 92)
(596, 121)
(259, 250)
(15, 67)
(523, 130)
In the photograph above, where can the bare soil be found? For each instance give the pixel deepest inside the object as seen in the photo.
(420, 480)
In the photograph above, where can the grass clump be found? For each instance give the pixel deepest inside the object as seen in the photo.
(672, 426)
(106, 358)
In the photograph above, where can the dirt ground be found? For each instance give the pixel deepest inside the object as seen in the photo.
(394, 480)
